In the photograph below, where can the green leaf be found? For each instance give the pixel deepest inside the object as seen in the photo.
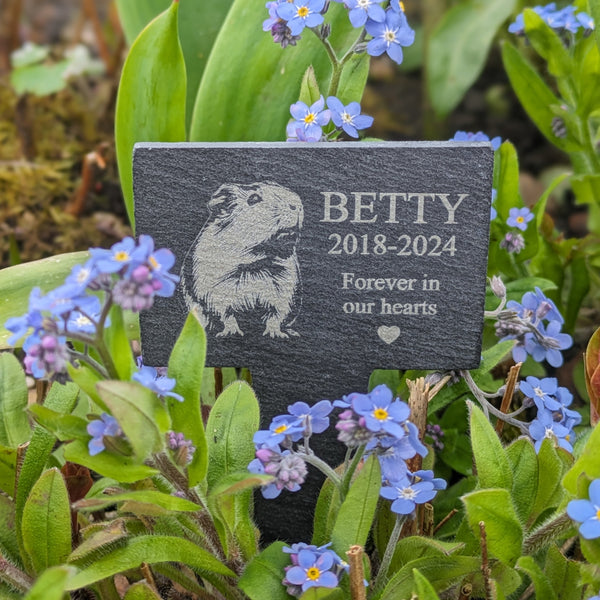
(51, 584)
(165, 501)
(414, 547)
(117, 341)
(46, 526)
(564, 575)
(322, 594)
(356, 514)
(231, 426)
(116, 466)
(535, 96)
(151, 549)
(141, 591)
(524, 464)
(140, 414)
(40, 80)
(594, 8)
(458, 49)
(60, 398)
(262, 577)
(151, 97)
(423, 589)
(587, 464)
(87, 379)
(250, 99)
(541, 583)
(441, 572)
(493, 468)
(199, 24)
(16, 284)
(547, 44)
(186, 365)
(236, 483)
(14, 427)
(552, 466)
(503, 529)
(111, 535)
(309, 88)
(328, 505)
(64, 427)
(9, 548)
(507, 180)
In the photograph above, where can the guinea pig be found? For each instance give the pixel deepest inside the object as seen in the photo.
(243, 264)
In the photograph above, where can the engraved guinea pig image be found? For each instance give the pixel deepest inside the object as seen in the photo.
(243, 267)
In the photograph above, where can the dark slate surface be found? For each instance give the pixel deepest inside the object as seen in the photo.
(332, 259)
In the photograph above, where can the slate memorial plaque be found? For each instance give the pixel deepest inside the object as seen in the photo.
(314, 264)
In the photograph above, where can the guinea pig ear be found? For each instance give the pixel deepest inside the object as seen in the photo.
(223, 200)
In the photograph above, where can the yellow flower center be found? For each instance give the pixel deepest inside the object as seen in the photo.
(310, 118)
(520, 219)
(303, 11)
(122, 256)
(380, 414)
(598, 514)
(153, 262)
(313, 573)
(389, 36)
(280, 429)
(402, 7)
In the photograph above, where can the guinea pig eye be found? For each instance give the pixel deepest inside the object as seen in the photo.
(254, 199)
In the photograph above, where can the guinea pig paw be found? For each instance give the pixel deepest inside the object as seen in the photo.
(231, 328)
(292, 332)
(275, 332)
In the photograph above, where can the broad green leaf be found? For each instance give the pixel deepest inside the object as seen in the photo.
(111, 535)
(151, 98)
(151, 549)
(309, 88)
(166, 501)
(543, 587)
(594, 8)
(64, 427)
(140, 414)
(535, 96)
(552, 466)
(231, 426)
(493, 467)
(60, 398)
(458, 49)
(249, 100)
(116, 466)
(547, 43)
(17, 282)
(423, 589)
(507, 180)
(9, 547)
(186, 365)
(587, 464)
(117, 341)
(441, 572)
(50, 585)
(87, 379)
(356, 514)
(413, 547)
(524, 464)
(503, 529)
(199, 24)
(323, 594)
(40, 80)
(262, 577)
(46, 525)
(328, 505)
(236, 483)
(141, 591)
(14, 427)
(564, 575)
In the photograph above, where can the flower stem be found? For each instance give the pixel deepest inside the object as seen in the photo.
(350, 471)
(389, 552)
(315, 461)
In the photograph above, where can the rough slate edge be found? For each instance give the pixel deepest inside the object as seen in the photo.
(289, 517)
(480, 292)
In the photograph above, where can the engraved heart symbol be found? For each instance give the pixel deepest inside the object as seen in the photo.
(388, 334)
